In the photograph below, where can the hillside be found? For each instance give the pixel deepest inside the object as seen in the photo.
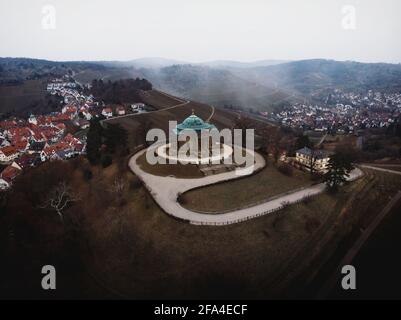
(27, 97)
(121, 91)
(16, 70)
(217, 87)
(309, 75)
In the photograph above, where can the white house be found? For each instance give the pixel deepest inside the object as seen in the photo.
(120, 110)
(32, 119)
(4, 184)
(137, 107)
(319, 159)
(8, 154)
(107, 112)
(86, 114)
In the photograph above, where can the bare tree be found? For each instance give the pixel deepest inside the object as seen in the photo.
(243, 123)
(59, 198)
(271, 141)
(142, 131)
(276, 144)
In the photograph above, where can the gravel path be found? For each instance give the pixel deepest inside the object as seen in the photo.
(380, 169)
(165, 191)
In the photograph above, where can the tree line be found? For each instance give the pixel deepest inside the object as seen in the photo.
(121, 91)
(103, 142)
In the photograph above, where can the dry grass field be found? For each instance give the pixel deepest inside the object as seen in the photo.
(188, 171)
(141, 252)
(19, 98)
(242, 192)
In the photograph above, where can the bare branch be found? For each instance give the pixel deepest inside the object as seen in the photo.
(59, 198)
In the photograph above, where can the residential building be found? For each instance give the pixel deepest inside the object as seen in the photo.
(316, 159)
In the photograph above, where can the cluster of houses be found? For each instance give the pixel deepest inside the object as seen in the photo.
(346, 113)
(120, 110)
(26, 143)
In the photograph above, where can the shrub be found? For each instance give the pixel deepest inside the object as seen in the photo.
(181, 199)
(306, 199)
(316, 176)
(87, 173)
(106, 160)
(285, 169)
(135, 183)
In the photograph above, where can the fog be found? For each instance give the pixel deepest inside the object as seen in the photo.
(201, 30)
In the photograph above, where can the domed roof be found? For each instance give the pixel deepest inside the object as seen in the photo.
(193, 122)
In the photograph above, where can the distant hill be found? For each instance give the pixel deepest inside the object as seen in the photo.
(262, 85)
(217, 87)
(154, 62)
(157, 63)
(237, 64)
(309, 75)
(16, 70)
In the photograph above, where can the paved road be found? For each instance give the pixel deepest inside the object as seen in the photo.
(380, 169)
(165, 191)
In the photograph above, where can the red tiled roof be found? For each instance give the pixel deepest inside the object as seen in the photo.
(9, 150)
(20, 145)
(56, 147)
(9, 173)
(20, 131)
(7, 124)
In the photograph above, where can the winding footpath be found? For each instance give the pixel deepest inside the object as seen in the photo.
(165, 191)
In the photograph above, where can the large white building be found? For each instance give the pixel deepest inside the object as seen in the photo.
(317, 159)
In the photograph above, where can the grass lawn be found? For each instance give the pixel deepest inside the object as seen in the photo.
(245, 191)
(178, 170)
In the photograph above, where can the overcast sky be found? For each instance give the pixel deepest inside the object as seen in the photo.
(201, 30)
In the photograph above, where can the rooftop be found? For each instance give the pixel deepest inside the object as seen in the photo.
(193, 122)
(319, 154)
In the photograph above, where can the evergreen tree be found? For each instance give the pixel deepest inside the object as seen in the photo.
(339, 168)
(116, 137)
(303, 141)
(94, 141)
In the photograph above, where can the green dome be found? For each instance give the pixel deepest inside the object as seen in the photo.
(193, 122)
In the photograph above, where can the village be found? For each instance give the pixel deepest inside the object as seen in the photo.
(61, 135)
(343, 112)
